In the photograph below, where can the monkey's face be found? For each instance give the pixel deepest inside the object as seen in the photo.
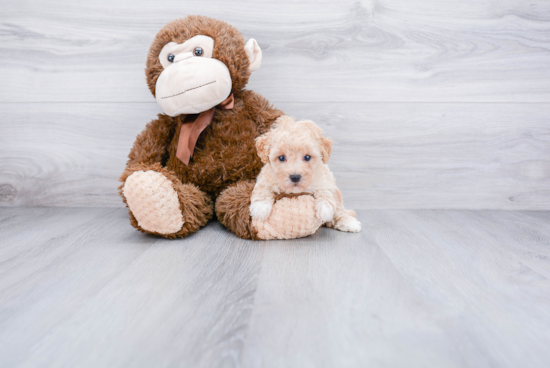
(192, 81)
(199, 62)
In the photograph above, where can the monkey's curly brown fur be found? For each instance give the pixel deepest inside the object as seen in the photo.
(233, 211)
(225, 152)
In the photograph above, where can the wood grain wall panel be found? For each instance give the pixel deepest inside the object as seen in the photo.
(431, 104)
(400, 155)
(345, 51)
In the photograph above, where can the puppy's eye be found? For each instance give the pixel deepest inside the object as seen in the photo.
(307, 157)
(282, 158)
(171, 58)
(197, 51)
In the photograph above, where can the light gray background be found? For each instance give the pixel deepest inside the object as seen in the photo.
(431, 104)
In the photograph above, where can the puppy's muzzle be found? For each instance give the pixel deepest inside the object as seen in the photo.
(295, 178)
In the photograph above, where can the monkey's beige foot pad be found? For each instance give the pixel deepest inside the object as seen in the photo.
(290, 218)
(153, 202)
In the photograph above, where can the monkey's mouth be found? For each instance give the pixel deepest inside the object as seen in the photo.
(187, 90)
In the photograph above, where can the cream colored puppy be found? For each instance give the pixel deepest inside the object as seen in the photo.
(295, 156)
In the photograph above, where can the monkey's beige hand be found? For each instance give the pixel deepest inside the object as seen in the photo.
(261, 210)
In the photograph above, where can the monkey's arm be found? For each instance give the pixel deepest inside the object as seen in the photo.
(151, 145)
(261, 110)
(150, 149)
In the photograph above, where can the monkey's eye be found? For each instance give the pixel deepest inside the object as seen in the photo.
(171, 58)
(307, 157)
(282, 158)
(197, 51)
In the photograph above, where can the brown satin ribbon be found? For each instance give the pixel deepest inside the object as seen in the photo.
(190, 131)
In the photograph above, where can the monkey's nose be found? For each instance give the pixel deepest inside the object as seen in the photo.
(295, 178)
(182, 56)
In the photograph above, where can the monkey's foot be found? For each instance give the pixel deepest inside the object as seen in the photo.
(153, 202)
(290, 218)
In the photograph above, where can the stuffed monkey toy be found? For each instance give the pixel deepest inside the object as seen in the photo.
(199, 156)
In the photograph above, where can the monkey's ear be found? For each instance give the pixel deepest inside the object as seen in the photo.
(254, 54)
(263, 147)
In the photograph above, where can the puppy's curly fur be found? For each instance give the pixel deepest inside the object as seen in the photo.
(295, 156)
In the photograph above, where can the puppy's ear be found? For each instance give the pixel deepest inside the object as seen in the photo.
(326, 148)
(325, 144)
(263, 147)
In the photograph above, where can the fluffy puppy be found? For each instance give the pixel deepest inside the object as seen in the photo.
(295, 156)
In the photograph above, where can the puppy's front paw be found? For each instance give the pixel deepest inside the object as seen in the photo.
(324, 210)
(349, 224)
(260, 209)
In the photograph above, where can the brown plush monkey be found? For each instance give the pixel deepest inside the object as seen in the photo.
(201, 151)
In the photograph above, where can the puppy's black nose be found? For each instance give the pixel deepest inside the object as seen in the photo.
(295, 178)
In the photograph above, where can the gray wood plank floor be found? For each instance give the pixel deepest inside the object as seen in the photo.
(416, 288)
